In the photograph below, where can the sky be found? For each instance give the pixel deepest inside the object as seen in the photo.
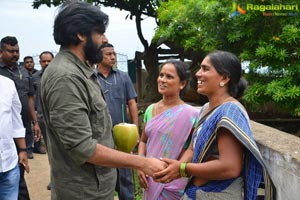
(34, 27)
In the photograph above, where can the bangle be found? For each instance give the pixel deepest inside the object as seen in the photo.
(182, 170)
(22, 149)
(142, 155)
(34, 122)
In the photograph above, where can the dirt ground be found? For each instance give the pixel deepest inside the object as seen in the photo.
(38, 177)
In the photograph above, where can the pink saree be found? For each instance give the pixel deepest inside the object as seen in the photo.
(167, 134)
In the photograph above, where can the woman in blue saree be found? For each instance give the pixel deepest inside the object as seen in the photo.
(168, 125)
(223, 160)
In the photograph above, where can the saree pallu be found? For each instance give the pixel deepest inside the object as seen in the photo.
(167, 134)
(232, 116)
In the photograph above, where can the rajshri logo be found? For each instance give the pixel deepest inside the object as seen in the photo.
(237, 10)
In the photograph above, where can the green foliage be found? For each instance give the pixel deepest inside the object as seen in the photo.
(135, 7)
(186, 23)
(271, 45)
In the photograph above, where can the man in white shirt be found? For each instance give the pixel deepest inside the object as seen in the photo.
(12, 133)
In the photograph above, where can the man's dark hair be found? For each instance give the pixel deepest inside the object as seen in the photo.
(106, 45)
(8, 40)
(78, 18)
(46, 52)
(27, 57)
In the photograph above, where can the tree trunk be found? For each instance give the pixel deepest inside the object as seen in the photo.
(151, 64)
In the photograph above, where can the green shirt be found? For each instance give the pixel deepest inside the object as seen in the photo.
(76, 118)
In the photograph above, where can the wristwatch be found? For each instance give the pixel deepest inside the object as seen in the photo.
(34, 122)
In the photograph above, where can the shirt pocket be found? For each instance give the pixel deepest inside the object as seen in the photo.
(100, 119)
(98, 116)
(118, 92)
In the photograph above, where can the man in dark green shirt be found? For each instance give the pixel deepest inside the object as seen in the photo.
(79, 127)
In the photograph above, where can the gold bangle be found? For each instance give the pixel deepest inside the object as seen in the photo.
(182, 169)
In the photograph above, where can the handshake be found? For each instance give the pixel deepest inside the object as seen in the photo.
(162, 170)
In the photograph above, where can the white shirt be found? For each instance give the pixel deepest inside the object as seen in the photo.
(11, 125)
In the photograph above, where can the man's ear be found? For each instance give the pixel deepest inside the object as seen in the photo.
(81, 37)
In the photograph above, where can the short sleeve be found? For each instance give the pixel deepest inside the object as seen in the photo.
(148, 113)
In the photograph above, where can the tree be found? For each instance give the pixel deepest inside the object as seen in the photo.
(137, 9)
(268, 40)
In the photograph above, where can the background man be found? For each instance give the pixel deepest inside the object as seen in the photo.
(9, 51)
(11, 129)
(29, 66)
(118, 92)
(78, 124)
(45, 58)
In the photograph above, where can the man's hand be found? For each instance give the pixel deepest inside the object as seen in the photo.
(23, 160)
(153, 165)
(37, 132)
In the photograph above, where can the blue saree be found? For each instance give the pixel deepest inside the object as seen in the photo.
(233, 117)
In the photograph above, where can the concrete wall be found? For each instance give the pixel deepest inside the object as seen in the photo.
(281, 152)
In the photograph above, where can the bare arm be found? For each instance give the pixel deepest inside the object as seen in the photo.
(228, 165)
(133, 110)
(187, 156)
(108, 157)
(36, 127)
(142, 145)
(142, 151)
(23, 160)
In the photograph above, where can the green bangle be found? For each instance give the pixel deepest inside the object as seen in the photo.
(182, 170)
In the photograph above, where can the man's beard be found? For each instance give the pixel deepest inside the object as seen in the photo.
(92, 52)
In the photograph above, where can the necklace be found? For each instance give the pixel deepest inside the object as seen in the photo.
(13, 73)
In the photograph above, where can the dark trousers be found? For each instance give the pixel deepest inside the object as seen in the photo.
(37, 144)
(125, 186)
(43, 130)
(23, 191)
(28, 137)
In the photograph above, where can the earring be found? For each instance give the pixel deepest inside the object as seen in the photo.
(181, 87)
(222, 84)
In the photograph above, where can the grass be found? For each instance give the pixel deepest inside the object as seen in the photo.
(138, 193)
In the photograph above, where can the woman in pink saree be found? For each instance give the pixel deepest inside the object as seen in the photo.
(168, 124)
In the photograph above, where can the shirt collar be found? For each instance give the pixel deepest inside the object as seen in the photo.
(84, 66)
(113, 70)
(2, 65)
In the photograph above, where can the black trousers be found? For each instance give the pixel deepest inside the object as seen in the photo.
(23, 191)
